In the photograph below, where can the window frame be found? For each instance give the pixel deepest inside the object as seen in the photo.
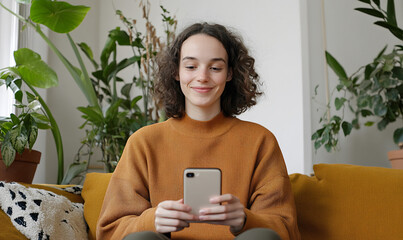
(8, 44)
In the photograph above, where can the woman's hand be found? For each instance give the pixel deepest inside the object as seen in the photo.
(172, 216)
(231, 214)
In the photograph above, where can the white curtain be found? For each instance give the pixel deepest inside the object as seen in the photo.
(8, 44)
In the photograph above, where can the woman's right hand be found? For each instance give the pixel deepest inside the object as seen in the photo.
(172, 216)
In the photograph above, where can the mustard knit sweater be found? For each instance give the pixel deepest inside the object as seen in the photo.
(151, 171)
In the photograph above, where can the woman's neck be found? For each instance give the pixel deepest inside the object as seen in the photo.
(201, 114)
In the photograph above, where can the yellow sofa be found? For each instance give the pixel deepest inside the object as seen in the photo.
(338, 202)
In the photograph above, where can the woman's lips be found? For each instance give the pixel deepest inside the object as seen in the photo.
(202, 89)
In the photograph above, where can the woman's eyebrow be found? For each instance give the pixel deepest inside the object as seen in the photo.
(213, 59)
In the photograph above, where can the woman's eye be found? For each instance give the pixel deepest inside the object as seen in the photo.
(216, 68)
(190, 67)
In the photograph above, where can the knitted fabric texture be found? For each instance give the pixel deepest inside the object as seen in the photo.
(41, 214)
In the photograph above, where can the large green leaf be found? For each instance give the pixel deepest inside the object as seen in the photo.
(20, 142)
(398, 135)
(60, 17)
(398, 73)
(393, 29)
(347, 127)
(109, 47)
(120, 36)
(33, 70)
(15, 85)
(371, 12)
(126, 90)
(92, 114)
(113, 109)
(88, 52)
(74, 170)
(380, 109)
(8, 153)
(391, 12)
(32, 135)
(335, 66)
(339, 102)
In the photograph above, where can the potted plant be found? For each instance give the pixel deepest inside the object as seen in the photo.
(18, 132)
(375, 90)
(60, 17)
(121, 115)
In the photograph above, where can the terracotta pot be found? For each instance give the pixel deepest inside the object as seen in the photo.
(22, 169)
(396, 158)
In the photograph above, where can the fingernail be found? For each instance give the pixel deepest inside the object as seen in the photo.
(202, 217)
(202, 212)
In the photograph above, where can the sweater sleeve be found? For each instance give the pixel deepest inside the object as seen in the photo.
(126, 207)
(271, 203)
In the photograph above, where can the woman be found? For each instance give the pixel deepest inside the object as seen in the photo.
(205, 78)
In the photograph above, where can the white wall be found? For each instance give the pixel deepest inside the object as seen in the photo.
(354, 41)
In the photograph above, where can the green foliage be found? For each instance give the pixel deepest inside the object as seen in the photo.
(388, 17)
(60, 17)
(20, 132)
(33, 70)
(375, 90)
(121, 115)
(109, 96)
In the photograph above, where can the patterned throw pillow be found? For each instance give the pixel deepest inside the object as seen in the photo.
(41, 214)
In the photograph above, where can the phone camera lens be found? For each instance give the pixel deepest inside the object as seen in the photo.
(190, 175)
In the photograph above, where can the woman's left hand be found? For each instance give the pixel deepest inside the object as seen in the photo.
(231, 214)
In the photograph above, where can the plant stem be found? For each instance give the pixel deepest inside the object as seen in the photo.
(115, 94)
(13, 13)
(87, 88)
(56, 135)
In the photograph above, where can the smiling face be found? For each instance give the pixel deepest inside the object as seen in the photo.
(203, 73)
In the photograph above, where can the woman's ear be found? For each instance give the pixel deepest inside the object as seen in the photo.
(229, 75)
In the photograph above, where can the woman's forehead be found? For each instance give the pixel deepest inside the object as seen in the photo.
(203, 47)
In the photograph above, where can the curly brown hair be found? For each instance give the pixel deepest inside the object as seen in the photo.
(239, 94)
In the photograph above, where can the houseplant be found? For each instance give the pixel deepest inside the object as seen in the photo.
(60, 17)
(121, 115)
(375, 90)
(19, 131)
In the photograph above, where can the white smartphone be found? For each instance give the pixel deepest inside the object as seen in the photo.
(199, 185)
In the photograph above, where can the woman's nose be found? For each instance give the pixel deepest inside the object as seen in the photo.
(203, 75)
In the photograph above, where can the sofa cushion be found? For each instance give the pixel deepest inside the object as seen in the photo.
(93, 193)
(8, 231)
(349, 202)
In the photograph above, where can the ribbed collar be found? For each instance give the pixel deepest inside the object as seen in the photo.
(205, 129)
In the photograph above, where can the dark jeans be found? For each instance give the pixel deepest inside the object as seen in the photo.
(255, 233)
